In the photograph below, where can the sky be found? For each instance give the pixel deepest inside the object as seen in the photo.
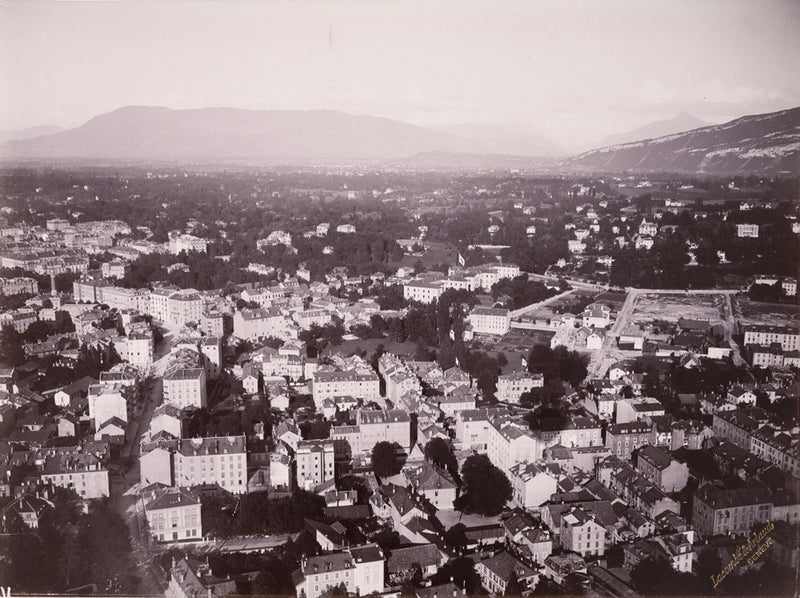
(575, 70)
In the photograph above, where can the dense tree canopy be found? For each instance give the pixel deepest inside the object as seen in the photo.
(486, 488)
(385, 459)
(257, 513)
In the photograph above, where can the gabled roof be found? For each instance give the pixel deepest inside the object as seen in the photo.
(170, 497)
(721, 498)
(369, 553)
(428, 477)
(655, 456)
(422, 555)
(448, 590)
(518, 522)
(503, 565)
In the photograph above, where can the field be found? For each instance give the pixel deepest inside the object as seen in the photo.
(775, 314)
(438, 253)
(670, 308)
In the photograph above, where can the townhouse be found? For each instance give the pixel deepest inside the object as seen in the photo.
(581, 533)
(490, 320)
(220, 460)
(531, 484)
(661, 469)
(359, 381)
(511, 386)
(719, 510)
(82, 472)
(623, 439)
(315, 462)
(184, 383)
(173, 515)
(760, 334)
(360, 570)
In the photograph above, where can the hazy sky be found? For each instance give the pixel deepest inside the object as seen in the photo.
(576, 70)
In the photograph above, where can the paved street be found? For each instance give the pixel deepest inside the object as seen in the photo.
(124, 489)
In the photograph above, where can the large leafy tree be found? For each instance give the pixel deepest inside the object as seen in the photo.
(11, 351)
(385, 461)
(486, 488)
(460, 571)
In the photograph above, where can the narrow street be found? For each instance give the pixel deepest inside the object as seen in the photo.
(125, 488)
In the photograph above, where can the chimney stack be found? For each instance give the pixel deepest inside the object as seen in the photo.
(53, 291)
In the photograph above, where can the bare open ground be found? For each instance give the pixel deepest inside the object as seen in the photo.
(671, 308)
(775, 314)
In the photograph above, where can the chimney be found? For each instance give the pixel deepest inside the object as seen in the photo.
(53, 285)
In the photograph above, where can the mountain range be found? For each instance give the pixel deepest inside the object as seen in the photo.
(766, 143)
(758, 144)
(28, 133)
(677, 124)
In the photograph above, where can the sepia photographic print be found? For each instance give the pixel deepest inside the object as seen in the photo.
(399, 299)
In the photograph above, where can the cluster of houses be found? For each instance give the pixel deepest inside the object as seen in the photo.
(614, 469)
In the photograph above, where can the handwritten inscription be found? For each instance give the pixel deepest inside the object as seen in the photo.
(757, 544)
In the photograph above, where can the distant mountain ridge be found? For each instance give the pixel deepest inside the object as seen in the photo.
(511, 139)
(154, 133)
(679, 123)
(29, 132)
(760, 144)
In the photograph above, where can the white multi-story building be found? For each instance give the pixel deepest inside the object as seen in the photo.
(18, 319)
(185, 387)
(788, 337)
(472, 429)
(360, 382)
(747, 230)
(173, 514)
(423, 291)
(211, 349)
(106, 402)
(187, 243)
(136, 348)
(490, 320)
(17, 286)
(184, 383)
(185, 306)
(581, 533)
(83, 473)
(509, 444)
(122, 298)
(360, 570)
(372, 427)
(531, 484)
(251, 324)
(399, 378)
(214, 460)
(315, 462)
(649, 229)
(511, 386)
